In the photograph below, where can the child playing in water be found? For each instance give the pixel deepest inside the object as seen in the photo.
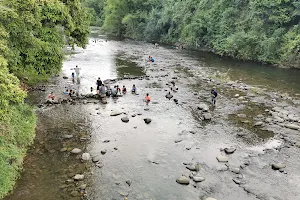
(133, 90)
(147, 99)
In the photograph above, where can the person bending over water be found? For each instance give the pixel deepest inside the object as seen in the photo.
(147, 99)
(150, 59)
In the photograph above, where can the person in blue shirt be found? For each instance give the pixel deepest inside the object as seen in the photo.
(214, 96)
(150, 59)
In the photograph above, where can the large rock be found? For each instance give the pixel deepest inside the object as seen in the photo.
(207, 116)
(116, 113)
(183, 180)
(229, 150)
(76, 151)
(125, 119)
(222, 159)
(292, 126)
(85, 156)
(78, 177)
(198, 179)
(203, 107)
(147, 120)
(278, 166)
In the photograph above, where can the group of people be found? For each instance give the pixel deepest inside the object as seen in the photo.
(77, 71)
(150, 59)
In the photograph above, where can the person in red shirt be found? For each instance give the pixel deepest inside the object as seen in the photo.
(52, 96)
(147, 98)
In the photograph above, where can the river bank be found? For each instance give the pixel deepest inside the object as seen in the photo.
(143, 161)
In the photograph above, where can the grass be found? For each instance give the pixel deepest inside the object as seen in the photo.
(16, 135)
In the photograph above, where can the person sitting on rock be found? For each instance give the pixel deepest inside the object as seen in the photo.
(124, 90)
(133, 90)
(147, 99)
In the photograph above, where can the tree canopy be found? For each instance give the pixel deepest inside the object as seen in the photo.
(260, 30)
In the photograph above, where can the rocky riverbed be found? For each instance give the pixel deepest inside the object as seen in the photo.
(175, 148)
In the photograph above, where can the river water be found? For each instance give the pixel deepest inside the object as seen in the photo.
(146, 155)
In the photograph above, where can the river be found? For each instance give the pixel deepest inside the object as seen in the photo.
(143, 161)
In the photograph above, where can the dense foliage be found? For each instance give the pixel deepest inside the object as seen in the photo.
(32, 36)
(260, 30)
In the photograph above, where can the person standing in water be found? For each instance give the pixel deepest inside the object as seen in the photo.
(214, 96)
(147, 99)
(73, 77)
(77, 71)
(133, 90)
(99, 84)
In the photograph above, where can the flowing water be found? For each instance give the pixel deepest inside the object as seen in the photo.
(145, 154)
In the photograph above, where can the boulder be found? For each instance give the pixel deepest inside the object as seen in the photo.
(116, 113)
(76, 151)
(198, 179)
(147, 120)
(203, 107)
(125, 119)
(229, 150)
(78, 177)
(222, 159)
(292, 126)
(207, 116)
(85, 156)
(278, 166)
(183, 180)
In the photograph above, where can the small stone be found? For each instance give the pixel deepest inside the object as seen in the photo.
(74, 193)
(236, 181)
(96, 159)
(63, 149)
(183, 180)
(82, 187)
(229, 150)
(188, 148)
(292, 126)
(76, 151)
(222, 159)
(116, 113)
(103, 151)
(106, 141)
(236, 95)
(85, 156)
(78, 177)
(125, 119)
(203, 107)
(191, 167)
(129, 182)
(147, 120)
(235, 170)
(100, 164)
(134, 115)
(198, 179)
(115, 148)
(278, 166)
(241, 115)
(177, 141)
(67, 136)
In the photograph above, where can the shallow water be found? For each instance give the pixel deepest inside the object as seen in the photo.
(147, 154)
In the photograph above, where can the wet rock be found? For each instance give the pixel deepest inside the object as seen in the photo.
(203, 107)
(100, 164)
(236, 95)
(74, 193)
(125, 119)
(82, 187)
(278, 166)
(207, 116)
(198, 179)
(78, 177)
(96, 159)
(116, 113)
(235, 170)
(268, 120)
(222, 159)
(76, 151)
(183, 180)
(147, 120)
(177, 141)
(292, 126)
(85, 156)
(134, 115)
(195, 168)
(245, 121)
(258, 124)
(129, 182)
(103, 151)
(67, 136)
(230, 150)
(209, 198)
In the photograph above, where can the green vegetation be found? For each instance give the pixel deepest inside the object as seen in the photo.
(32, 37)
(259, 30)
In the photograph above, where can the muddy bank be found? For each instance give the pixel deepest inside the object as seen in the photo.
(185, 141)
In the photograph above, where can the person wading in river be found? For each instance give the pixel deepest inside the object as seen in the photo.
(147, 99)
(99, 84)
(214, 96)
(77, 71)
